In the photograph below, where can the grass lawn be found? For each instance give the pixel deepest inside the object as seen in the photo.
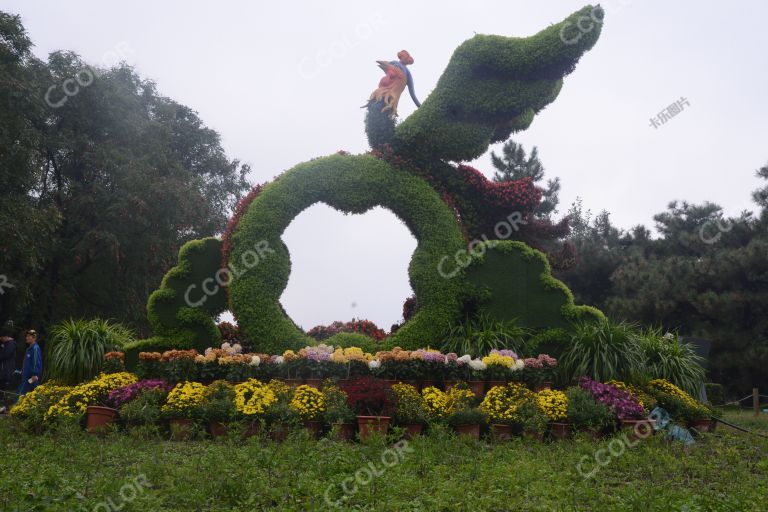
(73, 471)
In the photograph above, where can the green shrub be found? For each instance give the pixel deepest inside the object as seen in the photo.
(584, 412)
(603, 351)
(76, 348)
(180, 314)
(144, 410)
(515, 282)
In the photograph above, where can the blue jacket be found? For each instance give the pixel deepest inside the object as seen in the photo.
(33, 366)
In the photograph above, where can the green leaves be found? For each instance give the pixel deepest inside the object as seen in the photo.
(76, 348)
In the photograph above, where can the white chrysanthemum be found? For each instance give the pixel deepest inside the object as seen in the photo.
(519, 365)
(374, 363)
(226, 346)
(477, 364)
(255, 361)
(466, 358)
(279, 360)
(208, 351)
(237, 348)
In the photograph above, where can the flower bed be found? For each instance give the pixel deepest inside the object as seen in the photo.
(415, 389)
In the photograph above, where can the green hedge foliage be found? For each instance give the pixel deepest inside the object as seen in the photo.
(175, 323)
(351, 184)
(515, 282)
(494, 86)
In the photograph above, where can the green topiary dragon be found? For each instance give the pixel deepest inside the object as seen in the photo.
(492, 87)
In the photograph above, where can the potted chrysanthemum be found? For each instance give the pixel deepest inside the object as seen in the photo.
(500, 405)
(218, 409)
(338, 415)
(371, 399)
(253, 401)
(410, 412)
(467, 421)
(309, 402)
(182, 407)
(554, 404)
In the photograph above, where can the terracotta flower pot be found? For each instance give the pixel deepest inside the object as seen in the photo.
(315, 428)
(637, 429)
(471, 430)
(502, 432)
(367, 425)
(252, 429)
(345, 431)
(560, 430)
(99, 418)
(541, 386)
(217, 429)
(279, 432)
(314, 383)
(413, 430)
(477, 387)
(703, 425)
(181, 428)
(292, 383)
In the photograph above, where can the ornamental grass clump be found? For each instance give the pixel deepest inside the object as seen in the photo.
(553, 403)
(501, 402)
(620, 402)
(309, 402)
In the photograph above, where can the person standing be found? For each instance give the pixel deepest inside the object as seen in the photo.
(7, 366)
(32, 371)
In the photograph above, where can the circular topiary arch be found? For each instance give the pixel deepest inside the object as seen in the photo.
(260, 263)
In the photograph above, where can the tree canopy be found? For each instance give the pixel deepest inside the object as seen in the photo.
(104, 185)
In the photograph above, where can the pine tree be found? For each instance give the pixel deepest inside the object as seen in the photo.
(514, 164)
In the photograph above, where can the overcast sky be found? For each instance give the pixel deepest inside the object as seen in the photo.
(282, 82)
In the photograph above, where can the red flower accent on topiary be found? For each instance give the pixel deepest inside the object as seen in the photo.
(322, 332)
